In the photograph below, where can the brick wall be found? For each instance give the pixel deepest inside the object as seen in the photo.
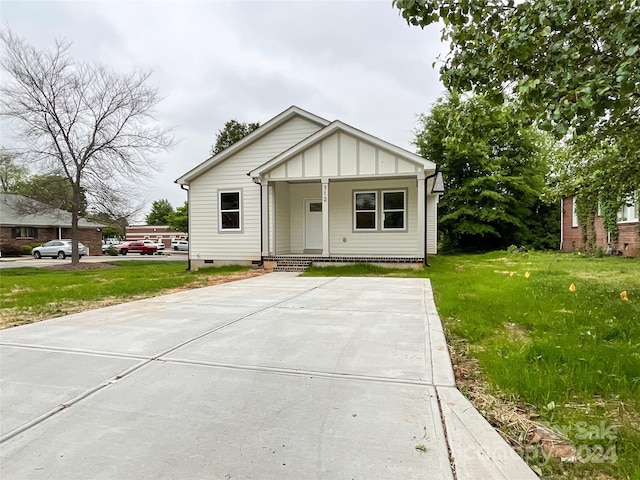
(156, 233)
(627, 243)
(90, 237)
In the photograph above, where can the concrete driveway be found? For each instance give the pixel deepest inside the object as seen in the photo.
(273, 377)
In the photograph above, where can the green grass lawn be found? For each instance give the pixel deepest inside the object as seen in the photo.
(570, 358)
(30, 294)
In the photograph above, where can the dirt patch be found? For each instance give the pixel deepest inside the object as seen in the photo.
(81, 266)
(517, 333)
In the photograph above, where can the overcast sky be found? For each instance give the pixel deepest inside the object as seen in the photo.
(356, 61)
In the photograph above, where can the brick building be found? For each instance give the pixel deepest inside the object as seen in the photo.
(627, 242)
(157, 233)
(24, 221)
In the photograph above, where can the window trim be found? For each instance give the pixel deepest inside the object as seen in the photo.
(375, 211)
(404, 211)
(221, 211)
(16, 232)
(379, 210)
(635, 199)
(574, 213)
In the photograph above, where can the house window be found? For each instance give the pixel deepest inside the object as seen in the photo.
(230, 208)
(629, 210)
(393, 210)
(574, 213)
(24, 232)
(365, 211)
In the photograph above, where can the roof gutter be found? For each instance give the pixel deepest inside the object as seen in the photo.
(426, 208)
(188, 224)
(256, 180)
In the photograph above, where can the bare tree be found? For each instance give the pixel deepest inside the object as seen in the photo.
(93, 126)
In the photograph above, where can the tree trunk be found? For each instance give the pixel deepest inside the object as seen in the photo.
(75, 208)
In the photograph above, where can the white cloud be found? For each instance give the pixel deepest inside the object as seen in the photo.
(354, 61)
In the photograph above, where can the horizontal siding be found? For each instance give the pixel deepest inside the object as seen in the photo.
(205, 240)
(283, 219)
(382, 243)
(432, 224)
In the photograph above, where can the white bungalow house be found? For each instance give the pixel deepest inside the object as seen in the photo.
(301, 189)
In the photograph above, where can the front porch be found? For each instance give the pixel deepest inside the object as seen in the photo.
(381, 218)
(343, 196)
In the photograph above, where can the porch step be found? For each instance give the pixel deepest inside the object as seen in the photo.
(292, 265)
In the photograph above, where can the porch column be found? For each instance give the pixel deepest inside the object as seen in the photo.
(420, 211)
(264, 197)
(325, 217)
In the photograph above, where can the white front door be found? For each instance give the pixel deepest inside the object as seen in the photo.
(313, 224)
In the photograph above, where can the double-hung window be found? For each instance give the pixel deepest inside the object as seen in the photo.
(24, 232)
(365, 211)
(230, 205)
(393, 210)
(380, 210)
(629, 210)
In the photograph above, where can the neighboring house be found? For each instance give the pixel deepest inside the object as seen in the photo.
(157, 233)
(627, 240)
(24, 221)
(306, 189)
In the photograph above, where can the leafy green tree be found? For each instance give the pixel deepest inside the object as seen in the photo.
(231, 133)
(161, 210)
(494, 167)
(179, 220)
(573, 65)
(52, 190)
(11, 174)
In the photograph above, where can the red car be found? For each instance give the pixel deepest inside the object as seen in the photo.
(137, 247)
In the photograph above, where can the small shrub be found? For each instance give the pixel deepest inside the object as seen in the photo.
(10, 251)
(25, 249)
(112, 250)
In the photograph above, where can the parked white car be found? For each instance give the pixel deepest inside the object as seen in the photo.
(159, 245)
(57, 249)
(180, 245)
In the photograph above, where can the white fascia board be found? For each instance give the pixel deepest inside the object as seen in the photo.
(249, 139)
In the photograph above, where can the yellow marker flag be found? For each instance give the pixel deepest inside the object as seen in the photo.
(623, 296)
(527, 275)
(572, 288)
(511, 274)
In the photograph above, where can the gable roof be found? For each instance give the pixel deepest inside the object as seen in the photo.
(338, 126)
(258, 133)
(20, 211)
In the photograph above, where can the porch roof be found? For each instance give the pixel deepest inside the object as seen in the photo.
(339, 150)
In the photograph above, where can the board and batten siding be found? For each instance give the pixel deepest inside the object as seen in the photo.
(206, 241)
(341, 155)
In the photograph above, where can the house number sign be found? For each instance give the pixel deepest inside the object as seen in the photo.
(325, 192)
